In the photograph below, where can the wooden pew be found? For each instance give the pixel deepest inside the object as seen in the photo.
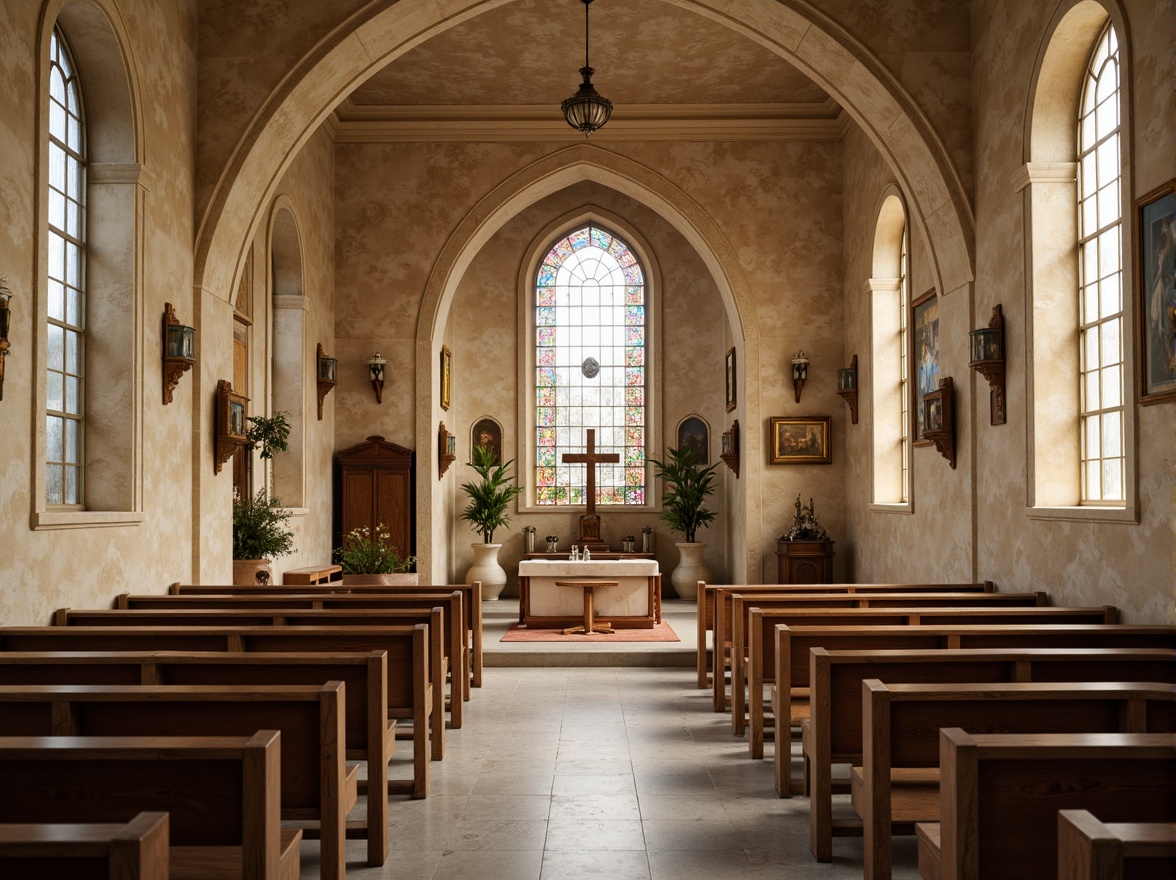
(472, 594)
(443, 618)
(714, 604)
(459, 613)
(317, 788)
(411, 657)
(738, 622)
(368, 733)
(898, 783)
(1016, 784)
(761, 648)
(134, 850)
(221, 794)
(833, 732)
(1091, 850)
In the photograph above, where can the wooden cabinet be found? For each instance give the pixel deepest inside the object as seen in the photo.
(804, 562)
(375, 483)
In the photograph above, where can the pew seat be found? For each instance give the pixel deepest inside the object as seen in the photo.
(134, 850)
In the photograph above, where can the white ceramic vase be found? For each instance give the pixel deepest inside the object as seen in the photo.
(487, 570)
(690, 570)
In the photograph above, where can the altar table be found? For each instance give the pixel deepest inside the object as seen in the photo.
(635, 603)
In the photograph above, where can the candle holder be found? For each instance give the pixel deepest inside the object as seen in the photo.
(847, 387)
(730, 453)
(446, 450)
(179, 351)
(328, 376)
(988, 359)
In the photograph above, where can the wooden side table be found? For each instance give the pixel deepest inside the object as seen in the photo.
(590, 625)
(804, 562)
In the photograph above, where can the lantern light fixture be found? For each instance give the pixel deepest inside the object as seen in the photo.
(587, 110)
(800, 365)
(376, 364)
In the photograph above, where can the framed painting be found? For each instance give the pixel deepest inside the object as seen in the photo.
(800, 440)
(446, 376)
(487, 433)
(924, 356)
(731, 379)
(1156, 312)
(694, 433)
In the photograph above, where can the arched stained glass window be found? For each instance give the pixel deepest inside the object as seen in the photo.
(66, 282)
(1100, 277)
(591, 369)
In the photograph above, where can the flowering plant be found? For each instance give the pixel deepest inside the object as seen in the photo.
(805, 526)
(363, 554)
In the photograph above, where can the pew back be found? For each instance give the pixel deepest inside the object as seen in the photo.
(1092, 850)
(135, 850)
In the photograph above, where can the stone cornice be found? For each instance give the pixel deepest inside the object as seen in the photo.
(642, 122)
(1044, 172)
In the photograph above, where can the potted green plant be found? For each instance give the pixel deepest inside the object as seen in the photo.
(686, 484)
(368, 559)
(486, 512)
(261, 523)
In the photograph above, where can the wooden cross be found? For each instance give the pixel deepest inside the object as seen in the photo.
(590, 522)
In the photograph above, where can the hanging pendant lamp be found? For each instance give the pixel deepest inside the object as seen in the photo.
(586, 110)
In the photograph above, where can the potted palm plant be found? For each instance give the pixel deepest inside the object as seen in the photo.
(368, 559)
(261, 523)
(486, 512)
(686, 485)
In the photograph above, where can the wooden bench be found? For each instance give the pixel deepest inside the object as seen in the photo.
(1092, 850)
(833, 732)
(714, 606)
(1000, 795)
(221, 794)
(313, 574)
(368, 733)
(898, 782)
(411, 657)
(443, 617)
(317, 788)
(134, 850)
(472, 594)
(761, 648)
(459, 612)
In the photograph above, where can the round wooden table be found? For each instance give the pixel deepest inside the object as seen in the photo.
(588, 585)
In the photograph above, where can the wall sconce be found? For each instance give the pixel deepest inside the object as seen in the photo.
(799, 372)
(939, 420)
(847, 387)
(730, 453)
(328, 377)
(446, 450)
(5, 324)
(988, 359)
(230, 423)
(179, 351)
(376, 374)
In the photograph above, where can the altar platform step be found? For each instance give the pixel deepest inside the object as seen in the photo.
(499, 615)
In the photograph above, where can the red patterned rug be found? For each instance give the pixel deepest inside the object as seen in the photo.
(661, 632)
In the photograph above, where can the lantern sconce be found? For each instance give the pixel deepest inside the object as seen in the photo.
(328, 376)
(376, 365)
(799, 372)
(988, 359)
(5, 324)
(446, 450)
(230, 423)
(179, 351)
(730, 453)
(939, 420)
(847, 387)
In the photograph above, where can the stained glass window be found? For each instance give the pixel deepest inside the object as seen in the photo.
(1100, 273)
(590, 368)
(66, 292)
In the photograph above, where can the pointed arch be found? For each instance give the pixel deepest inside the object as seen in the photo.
(288, 308)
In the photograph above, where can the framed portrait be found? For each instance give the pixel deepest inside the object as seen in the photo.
(446, 376)
(694, 433)
(731, 379)
(1156, 314)
(924, 356)
(800, 440)
(487, 433)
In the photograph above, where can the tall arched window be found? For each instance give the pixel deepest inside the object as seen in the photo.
(1100, 278)
(64, 390)
(591, 369)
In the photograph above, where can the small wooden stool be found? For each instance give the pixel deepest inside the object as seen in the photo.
(590, 625)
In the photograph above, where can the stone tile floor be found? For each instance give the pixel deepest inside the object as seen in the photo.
(584, 772)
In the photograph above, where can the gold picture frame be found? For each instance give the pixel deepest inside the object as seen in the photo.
(446, 377)
(800, 440)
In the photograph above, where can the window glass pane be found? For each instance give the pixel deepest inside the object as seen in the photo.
(1108, 251)
(71, 441)
(54, 396)
(71, 352)
(71, 395)
(1109, 337)
(1112, 385)
(1112, 480)
(1112, 432)
(56, 352)
(56, 300)
(1092, 400)
(54, 484)
(71, 485)
(54, 434)
(1093, 491)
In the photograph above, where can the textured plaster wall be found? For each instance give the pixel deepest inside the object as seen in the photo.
(46, 569)
(397, 204)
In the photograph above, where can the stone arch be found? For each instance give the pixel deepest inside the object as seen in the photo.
(287, 377)
(808, 39)
(527, 186)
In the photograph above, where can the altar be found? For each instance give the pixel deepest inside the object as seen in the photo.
(634, 603)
